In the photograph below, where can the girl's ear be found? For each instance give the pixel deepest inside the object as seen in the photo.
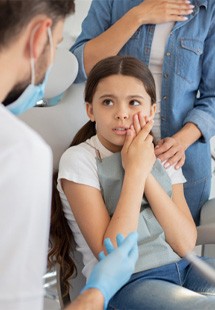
(89, 109)
(152, 110)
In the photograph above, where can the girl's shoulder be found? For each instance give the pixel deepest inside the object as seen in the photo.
(81, 153)
(78, 164)
(78, 150)
(176, 175)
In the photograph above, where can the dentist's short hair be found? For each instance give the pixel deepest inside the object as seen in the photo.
(16, 14)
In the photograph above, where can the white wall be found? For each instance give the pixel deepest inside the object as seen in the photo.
(73, 23)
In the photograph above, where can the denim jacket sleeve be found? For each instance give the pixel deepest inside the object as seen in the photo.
(203, 113)
(97, 21)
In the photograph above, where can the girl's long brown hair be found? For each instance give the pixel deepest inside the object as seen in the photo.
(61, 237)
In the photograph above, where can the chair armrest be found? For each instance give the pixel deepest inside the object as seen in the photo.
(64, 300)
(206, 234)
(208, 213)
(206, 230)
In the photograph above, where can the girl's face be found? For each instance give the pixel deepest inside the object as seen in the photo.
(116, 100)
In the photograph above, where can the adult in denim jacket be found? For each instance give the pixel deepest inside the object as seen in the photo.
(187, 115)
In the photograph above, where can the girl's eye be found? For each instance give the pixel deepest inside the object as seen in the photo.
(134, 103)
(108, 102)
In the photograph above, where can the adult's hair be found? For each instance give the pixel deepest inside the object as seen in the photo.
(16, 14)
(61, 242)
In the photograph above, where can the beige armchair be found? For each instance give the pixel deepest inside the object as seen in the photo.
(57, 125)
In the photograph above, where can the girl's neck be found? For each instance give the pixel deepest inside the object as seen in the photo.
(108, 145)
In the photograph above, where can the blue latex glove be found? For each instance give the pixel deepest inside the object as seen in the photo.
(115, 269)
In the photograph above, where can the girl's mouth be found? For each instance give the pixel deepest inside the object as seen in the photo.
(120, 130)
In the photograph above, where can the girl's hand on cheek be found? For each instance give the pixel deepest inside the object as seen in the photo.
(138, 150)
(139, 121)
(136, 122)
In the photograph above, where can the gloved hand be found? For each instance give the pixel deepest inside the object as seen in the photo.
(115, 269)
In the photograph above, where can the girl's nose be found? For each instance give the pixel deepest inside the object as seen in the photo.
(122, 114)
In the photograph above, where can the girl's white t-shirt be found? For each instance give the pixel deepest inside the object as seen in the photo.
(78, 164)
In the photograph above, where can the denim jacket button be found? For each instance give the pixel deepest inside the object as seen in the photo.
(168, 54)
(166, 75)
(164, 97)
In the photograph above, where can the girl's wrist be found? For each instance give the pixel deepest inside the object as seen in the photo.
(149, 182)
(136, 174)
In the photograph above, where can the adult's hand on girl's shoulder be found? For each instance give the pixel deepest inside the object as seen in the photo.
(171, 151)
(159, 11)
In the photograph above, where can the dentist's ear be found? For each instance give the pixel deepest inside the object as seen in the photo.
(89, 110)
(38, 36)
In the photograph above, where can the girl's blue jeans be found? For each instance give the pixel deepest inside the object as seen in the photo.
(173, 286)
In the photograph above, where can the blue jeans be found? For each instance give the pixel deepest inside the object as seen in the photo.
(173, 286)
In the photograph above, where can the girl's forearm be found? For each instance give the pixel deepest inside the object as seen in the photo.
(179, 229)
(110, 42)
(126, 215)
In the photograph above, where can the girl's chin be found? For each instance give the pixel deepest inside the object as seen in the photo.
(115, 147)
(118, 146)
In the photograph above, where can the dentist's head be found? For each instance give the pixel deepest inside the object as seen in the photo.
(29, 34)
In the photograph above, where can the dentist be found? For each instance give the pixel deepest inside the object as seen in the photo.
(29, 34)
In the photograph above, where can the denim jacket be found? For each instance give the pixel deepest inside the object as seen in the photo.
(188, 85)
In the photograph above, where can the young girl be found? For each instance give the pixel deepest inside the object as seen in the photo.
(110, 181)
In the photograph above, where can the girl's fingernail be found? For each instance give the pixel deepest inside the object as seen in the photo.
(166, 165)
(157, 146)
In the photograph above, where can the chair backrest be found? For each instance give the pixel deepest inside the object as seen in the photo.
(58, 125)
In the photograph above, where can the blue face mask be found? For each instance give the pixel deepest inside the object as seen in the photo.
(33, 93)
